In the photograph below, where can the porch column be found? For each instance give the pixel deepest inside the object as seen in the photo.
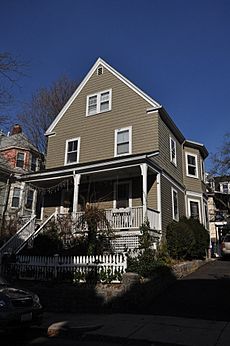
(76, 179)
(144, 173)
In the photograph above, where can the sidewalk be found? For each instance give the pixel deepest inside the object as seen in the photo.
(144, 329)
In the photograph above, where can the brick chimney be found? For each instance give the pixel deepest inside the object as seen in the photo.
(16, 129)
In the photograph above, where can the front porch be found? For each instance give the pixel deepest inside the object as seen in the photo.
(128, 191)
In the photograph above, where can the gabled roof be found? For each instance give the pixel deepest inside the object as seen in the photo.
(98, 63)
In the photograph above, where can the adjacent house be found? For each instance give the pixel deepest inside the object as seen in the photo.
(17, 157)
(114, 146)
(219, 209)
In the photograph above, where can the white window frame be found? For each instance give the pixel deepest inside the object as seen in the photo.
(196, 165)
(222, 187)
(206, 221)
(199, 207)
(36, 162)
(78, 150)
(175, 217)
(173, 160)
(202, 169)
(12, 196)
(129, 128)
(98, 104)
(127, 182)
(32, 205)
(22, 153)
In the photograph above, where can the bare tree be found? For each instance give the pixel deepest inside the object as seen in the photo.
(42, 109)
(221, 159)
(11, 69)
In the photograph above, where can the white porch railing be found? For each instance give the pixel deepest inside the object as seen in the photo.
(154, 218)
(75, 268)
(15, 243)
(126, 218)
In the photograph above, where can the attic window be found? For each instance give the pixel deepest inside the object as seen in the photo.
(100, 71)
(99, 102)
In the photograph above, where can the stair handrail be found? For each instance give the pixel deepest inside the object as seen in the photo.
(36, 231)
(16, 234)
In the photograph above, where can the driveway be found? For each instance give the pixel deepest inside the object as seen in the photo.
(203, 294)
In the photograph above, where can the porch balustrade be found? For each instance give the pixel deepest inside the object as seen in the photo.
(126, 218)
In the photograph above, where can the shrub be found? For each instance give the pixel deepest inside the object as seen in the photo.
(187, 239)
(180, 240)
(145, 264)
(201, 236)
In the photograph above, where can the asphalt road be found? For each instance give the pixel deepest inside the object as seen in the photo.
(203, 294)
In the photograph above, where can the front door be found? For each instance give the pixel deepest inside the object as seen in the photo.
(123, 195)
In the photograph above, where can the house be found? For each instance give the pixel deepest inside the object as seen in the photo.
(219, 209)
(17, 157)
(115, 146)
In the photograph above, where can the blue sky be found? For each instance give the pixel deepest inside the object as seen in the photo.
(178, 51)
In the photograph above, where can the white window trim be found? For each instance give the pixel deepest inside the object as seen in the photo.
(205, 222)
(78, 150)
(174, 162)
(36, 162)
(129, 182)
(27, 191)
(129, 128)
(20, 152)
(199, 207)
(98, 102)
(20, 197)
(196, 161)
(176, 218)
(221, 187)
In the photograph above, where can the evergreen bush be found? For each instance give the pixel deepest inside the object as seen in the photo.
(187, 239)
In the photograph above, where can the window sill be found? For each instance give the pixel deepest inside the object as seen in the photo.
(105, 111)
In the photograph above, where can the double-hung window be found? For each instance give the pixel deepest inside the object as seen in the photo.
(16, 197)
(194, 209)
(29, 199)
(173, 151)
(123, 141)
(99, 102)
(20, 160)
(224, 187)
(191, 165)
(33, 164)
(72, 151)
(175, 205)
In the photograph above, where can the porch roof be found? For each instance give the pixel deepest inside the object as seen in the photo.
(87, 168)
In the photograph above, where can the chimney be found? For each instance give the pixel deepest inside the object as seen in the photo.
(16, 129)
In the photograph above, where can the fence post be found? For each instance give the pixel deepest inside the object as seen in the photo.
(56, 256)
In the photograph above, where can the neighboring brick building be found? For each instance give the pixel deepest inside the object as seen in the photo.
(17, 156)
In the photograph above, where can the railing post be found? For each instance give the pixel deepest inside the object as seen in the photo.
(144, 173)
(76, 179)
(56, 256)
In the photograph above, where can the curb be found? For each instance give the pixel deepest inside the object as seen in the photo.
(64, 329)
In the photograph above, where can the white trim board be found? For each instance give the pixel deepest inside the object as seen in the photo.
(85, 80)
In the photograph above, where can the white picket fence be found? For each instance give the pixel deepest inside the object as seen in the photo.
(107, 268)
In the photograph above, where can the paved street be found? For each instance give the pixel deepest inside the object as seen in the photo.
(203, 294)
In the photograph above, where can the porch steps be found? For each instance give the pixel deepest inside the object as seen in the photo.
(26, 233)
